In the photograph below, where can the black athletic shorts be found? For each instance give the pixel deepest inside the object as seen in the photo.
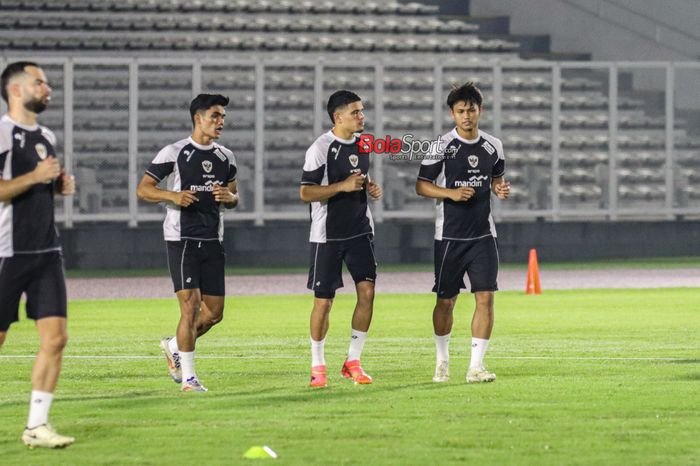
(41, 277)
(197, 264)
(325, 273)
(478, 258)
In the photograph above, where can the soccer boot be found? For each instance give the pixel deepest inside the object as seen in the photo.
(173, 360)
(442, 371)
(193, 385)
(353, 370)
(319, 378)
(480, 374)
(44, 436)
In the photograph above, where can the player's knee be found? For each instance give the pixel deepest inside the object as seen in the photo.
(445, 305)
(322, 305)
(55, 343)
(484, 301)
(365, 295)
(2, 338)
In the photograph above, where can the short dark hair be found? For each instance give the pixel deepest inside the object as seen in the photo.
(467, 92)
(340, 99)
(12, 70)
(205, 102)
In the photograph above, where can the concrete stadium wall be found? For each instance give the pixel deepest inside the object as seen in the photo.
(112, 246)
(615, 30)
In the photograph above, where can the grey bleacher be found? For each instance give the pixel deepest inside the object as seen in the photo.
(352, 30)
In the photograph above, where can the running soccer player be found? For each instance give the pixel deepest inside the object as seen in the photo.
(336, 183)
(461, 178)
(201, 183)
(31, 261)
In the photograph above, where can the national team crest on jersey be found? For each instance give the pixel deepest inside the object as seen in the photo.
(473, 161)
(41, 151)
(354, 160)
(207, 166)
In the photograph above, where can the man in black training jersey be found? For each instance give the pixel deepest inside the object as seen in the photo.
(31, 261)
(201, 183)
(336, 183)
(461, 175)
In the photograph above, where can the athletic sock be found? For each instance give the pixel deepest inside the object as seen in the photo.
(357, 341)
(187, 365)
(479, 347)
(39, 406)
(172, 345)
(442, 347)
(317, 354)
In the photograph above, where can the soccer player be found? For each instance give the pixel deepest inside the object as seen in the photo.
(461, 176)
(201, 184)
(31, 261)
(336, 183)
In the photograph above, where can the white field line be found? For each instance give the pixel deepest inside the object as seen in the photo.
(544, 358)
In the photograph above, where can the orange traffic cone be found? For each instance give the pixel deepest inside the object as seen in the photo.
(533, 275)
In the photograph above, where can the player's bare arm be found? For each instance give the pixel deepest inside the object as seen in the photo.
(227, 195)
(429, 189)
(500, 187)
(316, 193)
(46, 171)
(149, 191)
(373, 189)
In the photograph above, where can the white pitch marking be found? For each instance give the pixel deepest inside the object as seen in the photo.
(546, 358)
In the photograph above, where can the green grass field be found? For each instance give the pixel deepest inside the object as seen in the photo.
(584, 377)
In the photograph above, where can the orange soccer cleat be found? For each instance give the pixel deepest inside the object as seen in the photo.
(353, 370)
(318, 377)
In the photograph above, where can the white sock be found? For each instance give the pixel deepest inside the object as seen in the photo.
(317, 355)
(187, 365)
(172, 345)
(357, 341)
(39, 406)
(479, 347)
(442, 346)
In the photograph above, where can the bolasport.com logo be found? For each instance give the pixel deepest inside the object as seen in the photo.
(408, 147)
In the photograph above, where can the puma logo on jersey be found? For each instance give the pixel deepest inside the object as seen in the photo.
(21, 138)
(188, 154)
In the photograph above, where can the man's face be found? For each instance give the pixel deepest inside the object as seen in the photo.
(466, 115)
(211, 121)
(34, 89)
(351, 117)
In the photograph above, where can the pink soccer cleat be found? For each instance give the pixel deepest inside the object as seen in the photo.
(319, 378)
(353, 370)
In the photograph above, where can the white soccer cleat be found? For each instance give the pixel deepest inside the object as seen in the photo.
(44, 436)
(173, 360)
(480, 374)
(193, 385)
(442, 372)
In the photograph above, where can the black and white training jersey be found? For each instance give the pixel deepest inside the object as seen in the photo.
(329, 160)
(191, 166)
(27, 223)
(465, 163)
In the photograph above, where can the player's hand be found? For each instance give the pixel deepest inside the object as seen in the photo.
(461, 194)
(66, 184)
(47, 170)
(223, 194)
(354, 182)
(502, 190)
(374, 190)
(185, 198)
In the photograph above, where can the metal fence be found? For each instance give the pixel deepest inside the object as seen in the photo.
(598, 140)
